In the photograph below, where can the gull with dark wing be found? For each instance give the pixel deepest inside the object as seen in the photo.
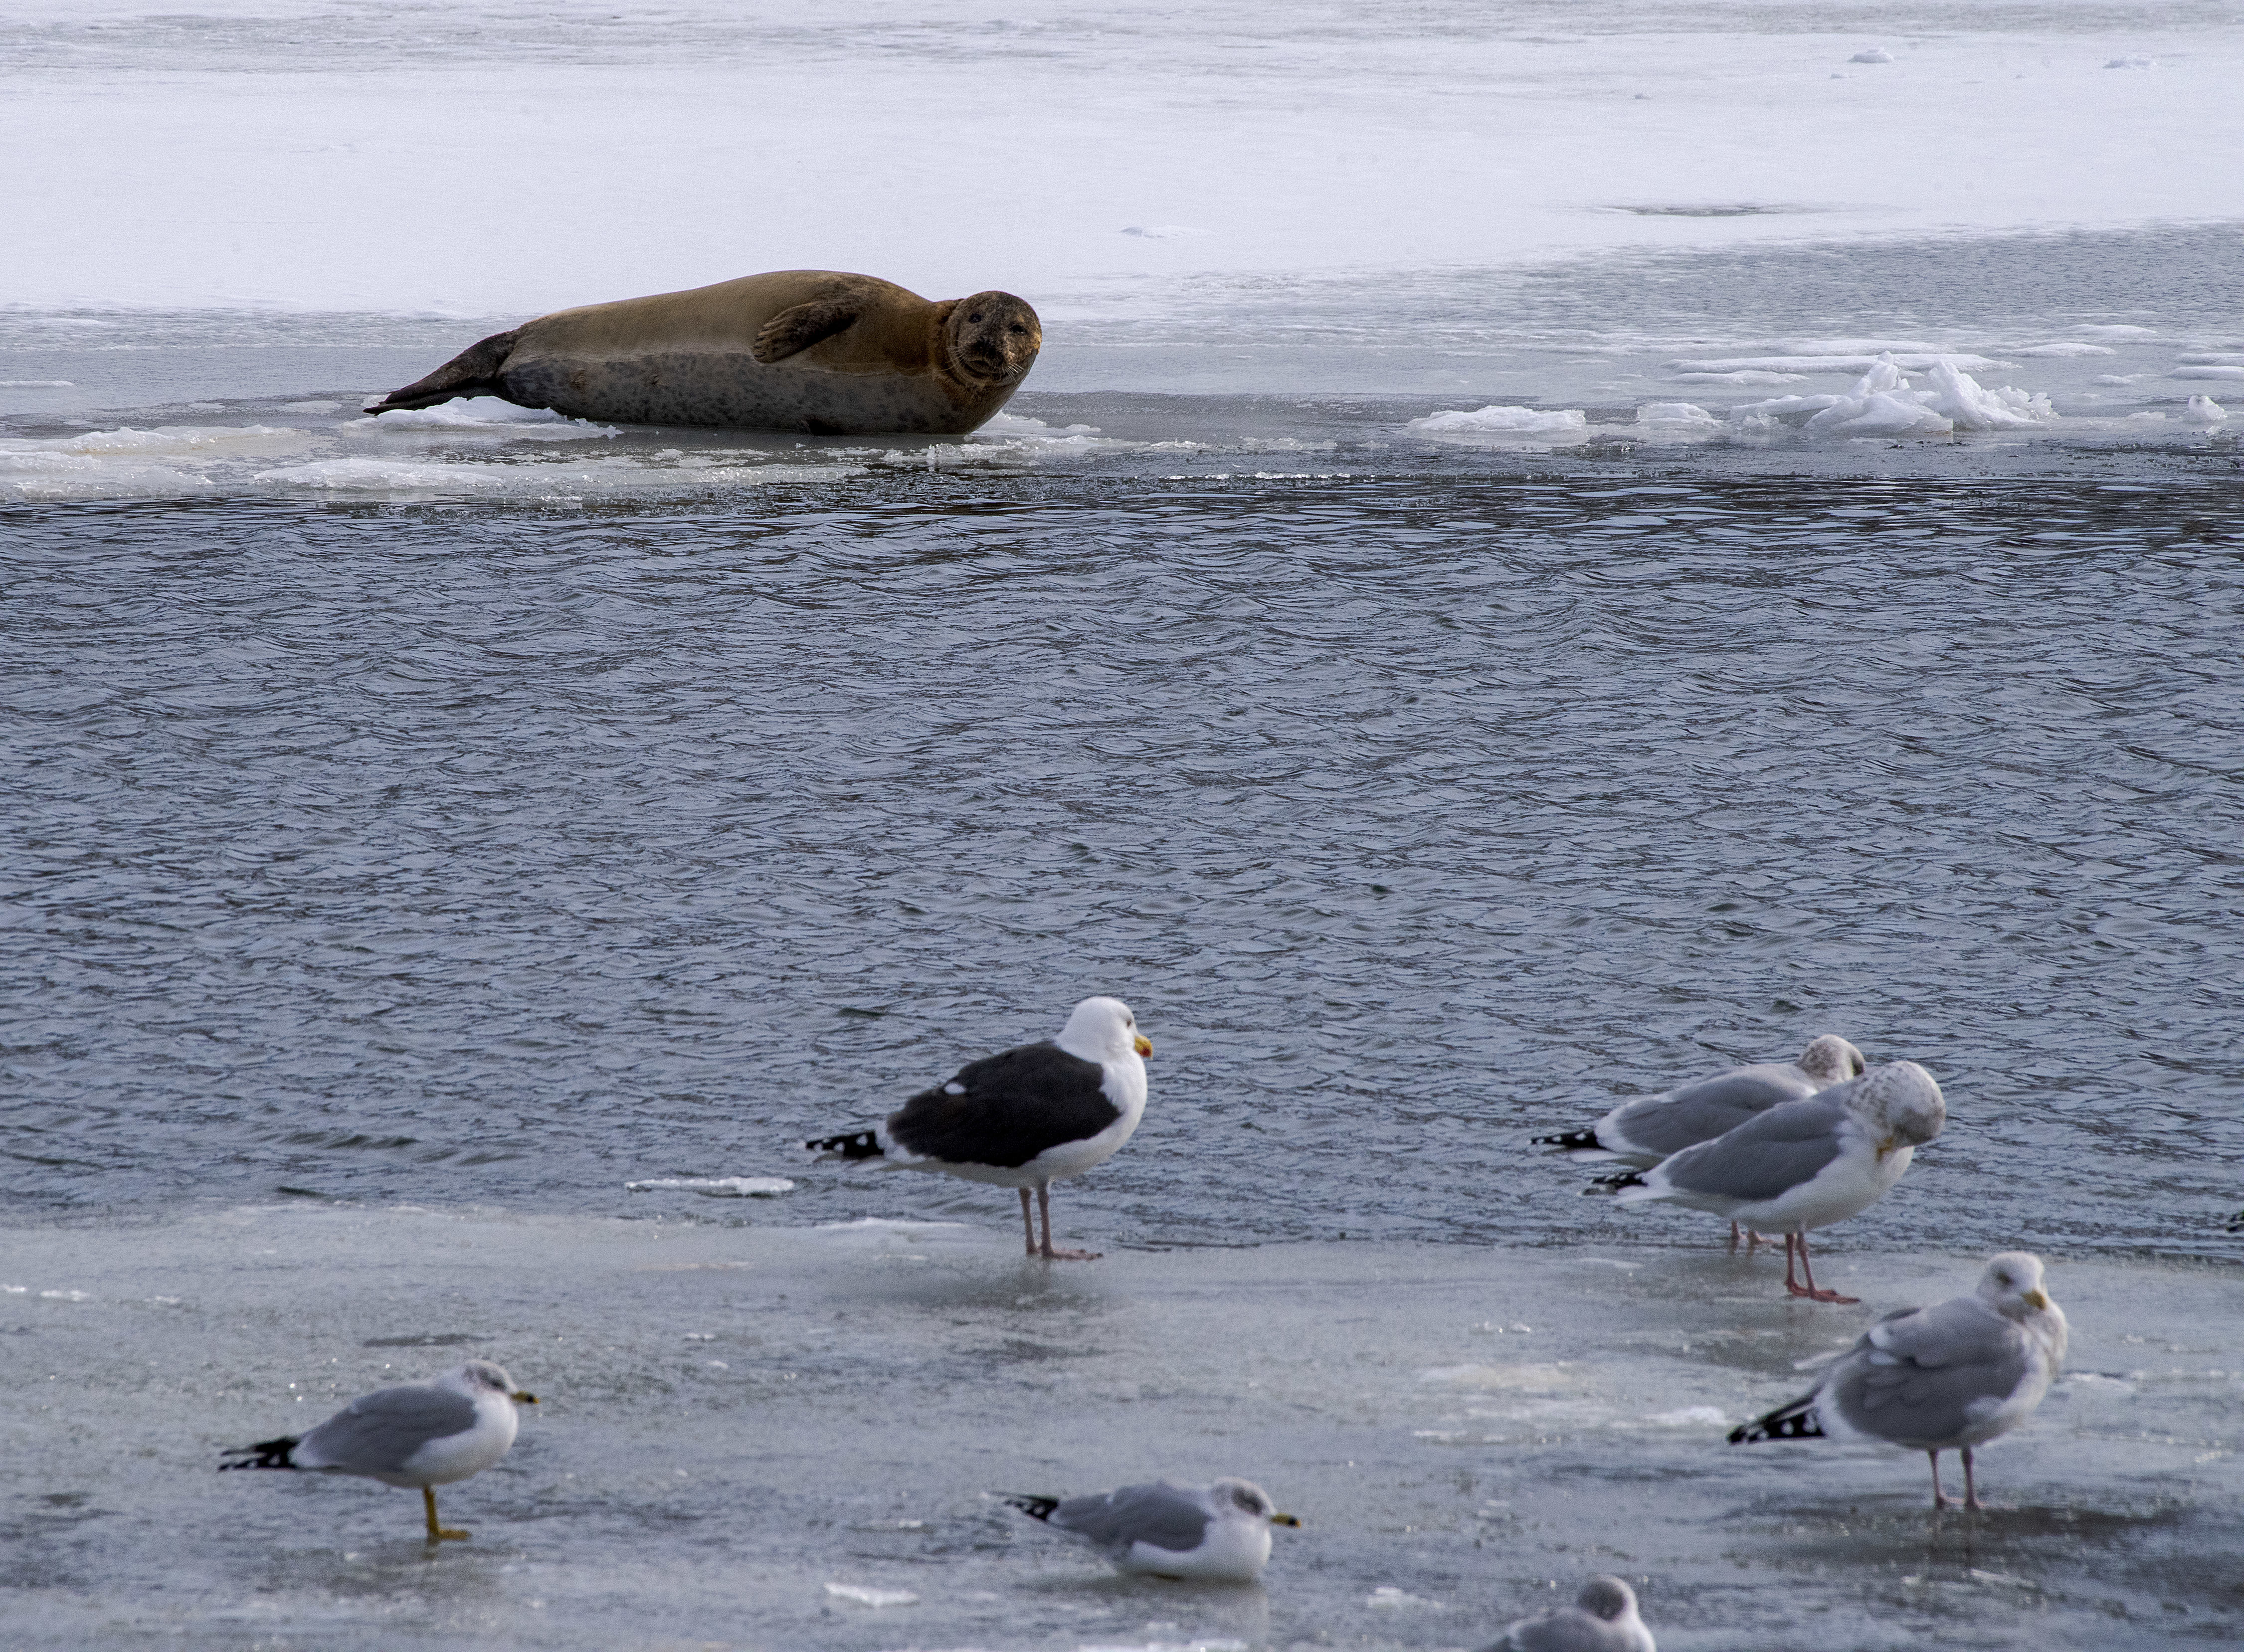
(422, 1434)
(1947, 1378)
(1803, 1165)
(1023, 1119)
(1214, 1533)
(1602, 1619)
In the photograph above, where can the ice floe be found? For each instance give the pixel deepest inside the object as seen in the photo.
(2203, 409)
(718, 1187)
(1745, 379)
(1884, 402)
(489, 413)
(1907, 358)
(1502, 420)
(1676, 421)
(864, 1595)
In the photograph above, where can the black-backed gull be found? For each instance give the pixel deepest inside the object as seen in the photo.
(1023, 1119)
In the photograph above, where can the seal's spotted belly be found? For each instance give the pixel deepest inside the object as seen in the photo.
(732, 389)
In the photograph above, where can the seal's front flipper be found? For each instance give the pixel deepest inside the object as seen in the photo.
(794, 330)
(473, 372)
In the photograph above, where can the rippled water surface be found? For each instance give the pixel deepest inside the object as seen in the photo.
(447, 854)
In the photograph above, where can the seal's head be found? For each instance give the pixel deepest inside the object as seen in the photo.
(994, 337)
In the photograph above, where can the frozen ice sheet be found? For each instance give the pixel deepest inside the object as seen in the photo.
(757, 1436)
(516, 157)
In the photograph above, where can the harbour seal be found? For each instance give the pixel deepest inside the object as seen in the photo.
(815, 351)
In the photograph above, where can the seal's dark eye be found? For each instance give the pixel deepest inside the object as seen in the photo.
(976, 316)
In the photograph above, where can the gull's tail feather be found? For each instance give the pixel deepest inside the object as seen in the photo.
(1570, 1141)
(266, 1454)
(1795, 1421)
(1609, 1185)
(1034, 1508)
(858, 1145)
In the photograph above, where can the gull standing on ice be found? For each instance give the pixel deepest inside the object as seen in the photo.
(424, 1434)
(1023, 1119)
(1602, 1619)
(1945, 1378)
(1803, 1165)
(1217, 1534)
(1647, 1130)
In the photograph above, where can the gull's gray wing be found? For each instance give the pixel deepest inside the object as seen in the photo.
(1915, 1377)
(376, 1432)
(1567, 1628)
(1765, 1156)
(1660, 1125)
(1166, 1516)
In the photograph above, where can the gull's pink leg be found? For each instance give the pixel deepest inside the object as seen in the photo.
(1733, 1236)
(1028, 1226)
(1938, 1501)
(1043, 1208)
(1808, 1272)
(1971, 1490)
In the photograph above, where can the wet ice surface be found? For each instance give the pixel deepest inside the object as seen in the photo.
(748, 1434)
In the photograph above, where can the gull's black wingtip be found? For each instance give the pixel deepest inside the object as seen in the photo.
(858, 1145)
(266, 1453)
(1608, 1185)
(1034, 1508)
(1569, 1141)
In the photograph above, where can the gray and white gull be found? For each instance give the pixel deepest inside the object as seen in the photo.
(1947, 1378)
(1602, 1619)
(1803, 1165)
(1218, 1533)
(1647, 1130)
(421, 1434)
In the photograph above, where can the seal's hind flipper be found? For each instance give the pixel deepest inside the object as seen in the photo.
(473, 372)
(797, 329)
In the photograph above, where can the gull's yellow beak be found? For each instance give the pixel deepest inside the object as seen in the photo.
(1286, 1520)
(1888, 1145)
(2035, 1300)
(1145, 1044)
(521, 1399)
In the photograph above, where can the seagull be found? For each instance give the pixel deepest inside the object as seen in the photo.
(1945, 1378)
(1023, 1119)
(1602, 1619)
(1647, 1130)
(1215, 1534)
(422, 1433)
(1802, 1164)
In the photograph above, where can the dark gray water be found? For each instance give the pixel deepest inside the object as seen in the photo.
(506, 856)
